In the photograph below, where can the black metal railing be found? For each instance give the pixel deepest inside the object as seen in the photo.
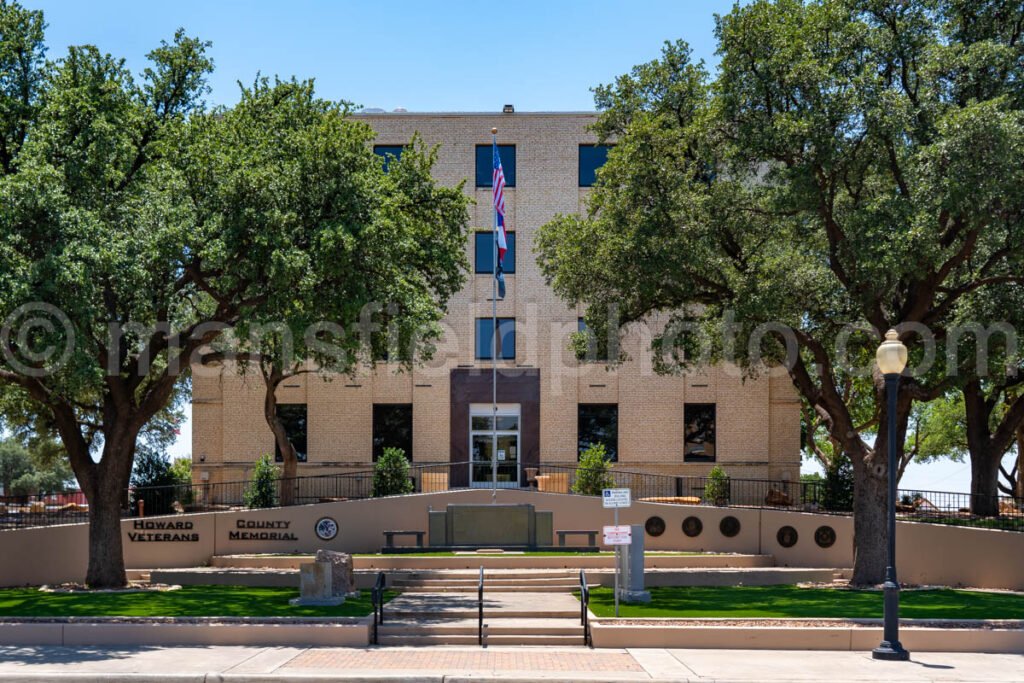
(807, 496)
(480, 610)
(585, 610)
(377, 599)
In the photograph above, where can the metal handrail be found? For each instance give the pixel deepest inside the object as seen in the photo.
(480, 610)
(377, 598)
(585, 609)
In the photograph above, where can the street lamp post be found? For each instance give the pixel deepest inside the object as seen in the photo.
(892, 358)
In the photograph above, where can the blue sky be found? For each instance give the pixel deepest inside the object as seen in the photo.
(424, 56)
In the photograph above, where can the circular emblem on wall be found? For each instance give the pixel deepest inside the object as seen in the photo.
(787, 537)
(825, 536)
(326, 528)
(729, 526)
(692, 526)
(655, 526)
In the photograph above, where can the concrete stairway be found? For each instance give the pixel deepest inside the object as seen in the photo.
(519, 609)
(497, 581)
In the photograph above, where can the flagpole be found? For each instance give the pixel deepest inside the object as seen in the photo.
(494, 343)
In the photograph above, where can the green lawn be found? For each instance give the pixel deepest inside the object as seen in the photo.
(189, 601)
(790, 601)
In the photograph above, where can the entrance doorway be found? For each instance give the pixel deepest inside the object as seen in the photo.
(481, 442)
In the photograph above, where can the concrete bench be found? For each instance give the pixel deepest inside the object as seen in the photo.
(591, 537)
(389, 537)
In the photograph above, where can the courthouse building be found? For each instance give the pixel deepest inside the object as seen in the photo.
(551, 405)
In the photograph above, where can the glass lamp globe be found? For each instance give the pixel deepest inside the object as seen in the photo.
(892, 354)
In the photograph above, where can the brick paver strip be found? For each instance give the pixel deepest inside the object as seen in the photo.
(444, 659)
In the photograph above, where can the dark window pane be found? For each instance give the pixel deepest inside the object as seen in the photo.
(483, 248)
(592, 157)
(699, 432)
(392, 428)
(599, 423)
(293, 415)
(388, 152)
(506, 338)
(485, 164)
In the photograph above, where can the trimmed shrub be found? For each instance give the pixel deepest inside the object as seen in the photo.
(391, 474)
(594, 472)
(262, 489)
(716, 490)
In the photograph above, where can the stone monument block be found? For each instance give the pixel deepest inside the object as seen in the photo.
(315, 586)
(343, 580)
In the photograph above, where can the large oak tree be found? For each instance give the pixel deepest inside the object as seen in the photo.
(851, 163)
(137, 226)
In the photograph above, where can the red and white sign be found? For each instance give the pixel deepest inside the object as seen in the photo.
(618, 535)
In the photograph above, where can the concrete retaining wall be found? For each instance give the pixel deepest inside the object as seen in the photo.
(355, 633)
(927, 553)
(610, 635)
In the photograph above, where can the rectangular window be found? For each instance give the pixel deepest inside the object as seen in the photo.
(293, 415)
(483, 260)
(699, 432)
(485, 164)
(506, 338)
(592, 157)
(392, 428)
(388, 152)
(597, 349)
(599, 423)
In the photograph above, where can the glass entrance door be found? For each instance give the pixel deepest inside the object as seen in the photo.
(481, 446)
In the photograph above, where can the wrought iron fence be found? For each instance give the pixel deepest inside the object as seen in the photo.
(925, 506)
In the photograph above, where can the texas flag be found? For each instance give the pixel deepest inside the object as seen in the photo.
(498, 183)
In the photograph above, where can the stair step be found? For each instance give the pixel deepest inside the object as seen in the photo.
(488, 581)
(489, 574)
(495, 627)
(473, 640)
(488, 589)
(409, 615)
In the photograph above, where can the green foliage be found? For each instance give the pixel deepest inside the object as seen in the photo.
(29, 471)
(837, 491)
(14, 463)
(717, 486)
(848, 164)
(391, 474)
(262, 489)
(159, 483)
(593, 474)
(125, 198)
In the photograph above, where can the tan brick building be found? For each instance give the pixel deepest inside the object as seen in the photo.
(550, 401)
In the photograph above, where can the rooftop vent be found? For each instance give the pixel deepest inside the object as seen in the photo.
(508, 109)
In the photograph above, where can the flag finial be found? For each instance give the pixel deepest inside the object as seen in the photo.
(494, 131)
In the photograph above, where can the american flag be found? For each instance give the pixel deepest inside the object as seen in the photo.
(498, 181)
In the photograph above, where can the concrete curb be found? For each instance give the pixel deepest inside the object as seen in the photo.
(835, 638)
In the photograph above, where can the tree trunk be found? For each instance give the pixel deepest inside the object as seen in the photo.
(985, 457)
(272, 377)
(105, 485)
(106, 554)
(870, 498)
(985, 482)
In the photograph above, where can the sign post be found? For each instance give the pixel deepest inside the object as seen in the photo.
(616, 535)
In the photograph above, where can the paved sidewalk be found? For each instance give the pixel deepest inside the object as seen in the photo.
(451, 664)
